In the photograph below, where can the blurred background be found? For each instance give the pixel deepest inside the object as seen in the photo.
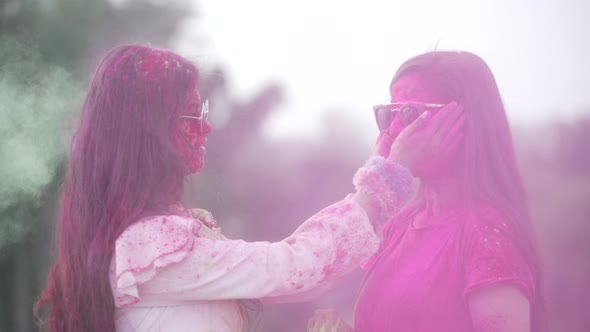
(291, 85)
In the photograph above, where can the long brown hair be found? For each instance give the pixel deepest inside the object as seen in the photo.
(486, 164)
(122, 165)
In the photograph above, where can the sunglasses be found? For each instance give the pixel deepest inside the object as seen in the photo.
(407, 112)
(204, 114)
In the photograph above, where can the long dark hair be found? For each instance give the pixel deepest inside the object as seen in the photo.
(486, 163)
(122, 165)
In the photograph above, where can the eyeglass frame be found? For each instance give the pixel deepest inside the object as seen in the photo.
(390, 107)
(203, 117)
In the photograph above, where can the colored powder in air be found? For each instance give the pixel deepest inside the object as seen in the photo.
(37, 102)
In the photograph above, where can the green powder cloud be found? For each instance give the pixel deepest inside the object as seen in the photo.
(38, 102)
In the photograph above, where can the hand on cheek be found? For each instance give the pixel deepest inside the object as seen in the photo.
(395, 128)
(382, 146)
(384, 141)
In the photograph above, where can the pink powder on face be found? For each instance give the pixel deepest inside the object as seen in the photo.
(190, 139)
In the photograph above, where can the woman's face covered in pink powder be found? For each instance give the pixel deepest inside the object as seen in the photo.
(410, 89)
(191, 138)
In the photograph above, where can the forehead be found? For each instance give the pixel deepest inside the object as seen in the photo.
(195, 96)
(411, 88)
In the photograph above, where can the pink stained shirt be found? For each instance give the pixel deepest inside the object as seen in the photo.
(420, 278)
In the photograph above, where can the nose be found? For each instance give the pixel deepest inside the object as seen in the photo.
(207, 127)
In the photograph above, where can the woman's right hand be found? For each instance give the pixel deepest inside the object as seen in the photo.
(327, 321)
(426, 142)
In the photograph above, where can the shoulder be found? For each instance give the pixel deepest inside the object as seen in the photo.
(157, 231)
(147, 246)
(152, 238)
(492, 253)
(486, 220)
(488, 232)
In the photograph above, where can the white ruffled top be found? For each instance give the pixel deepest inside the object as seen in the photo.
(179, 273)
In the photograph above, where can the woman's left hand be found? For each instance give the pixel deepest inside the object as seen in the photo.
(327, 320)
(204, 216)
(428, 142)
(382, 146)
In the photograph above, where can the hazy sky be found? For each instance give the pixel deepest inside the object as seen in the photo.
(342, 54)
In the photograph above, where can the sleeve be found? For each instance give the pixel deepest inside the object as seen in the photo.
(184, 266)
(492, 257)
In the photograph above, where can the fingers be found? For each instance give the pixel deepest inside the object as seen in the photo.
(416, 125)
(439, 118)
(451, 127)
(456, 128)
(324, 321)
(333, 320)
(198, 213)
(449, 131)
(447, 114)
(396, 127)
(382, 146)
(314, 324)
(311, 325)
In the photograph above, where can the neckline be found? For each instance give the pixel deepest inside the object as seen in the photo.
(435, 221)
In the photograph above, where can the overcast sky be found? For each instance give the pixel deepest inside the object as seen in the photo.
(342, 54)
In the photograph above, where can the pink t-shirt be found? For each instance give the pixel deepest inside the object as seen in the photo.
(420, 278)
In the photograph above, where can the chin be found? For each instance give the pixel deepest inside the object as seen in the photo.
(196, 164)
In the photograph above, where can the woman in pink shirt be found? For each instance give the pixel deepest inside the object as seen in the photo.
(461, 256)
(132, 259)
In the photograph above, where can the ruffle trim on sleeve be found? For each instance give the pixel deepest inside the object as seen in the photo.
(146, 247)
(387, 183)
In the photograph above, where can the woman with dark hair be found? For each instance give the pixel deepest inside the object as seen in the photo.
(461, 255)
(132, 259)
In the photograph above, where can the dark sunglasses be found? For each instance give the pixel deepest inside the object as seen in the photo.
(407, 112)
(204, 114)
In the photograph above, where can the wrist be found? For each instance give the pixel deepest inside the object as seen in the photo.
(370, 206)
(384, 183)
(394, 157)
